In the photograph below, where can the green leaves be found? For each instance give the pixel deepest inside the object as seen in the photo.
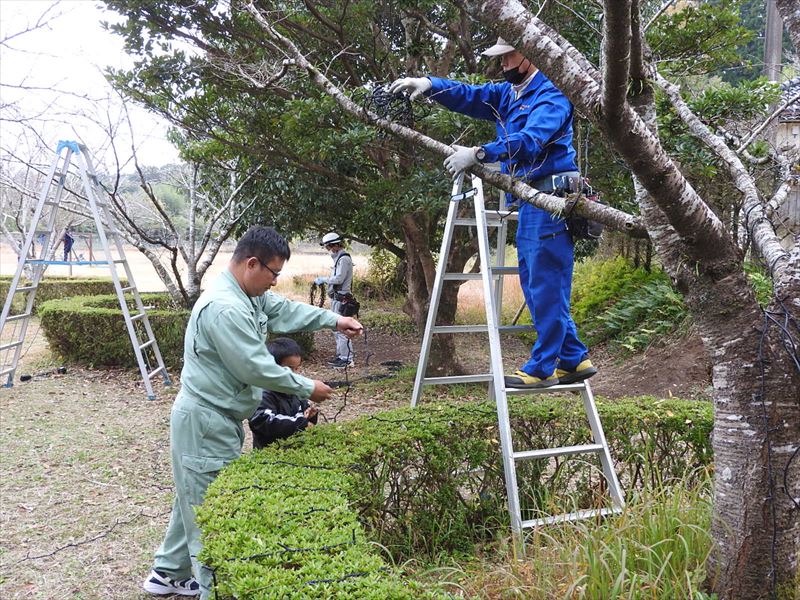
(298, 518)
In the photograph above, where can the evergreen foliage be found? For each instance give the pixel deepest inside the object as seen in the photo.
(279, 520)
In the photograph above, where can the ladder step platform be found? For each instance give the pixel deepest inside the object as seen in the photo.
(496, 272)
(72, 262)
(12, 318)
(478, 328)
(563, 451)
(578, 515)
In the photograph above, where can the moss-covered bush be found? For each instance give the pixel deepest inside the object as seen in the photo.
(51, 288)
(295, 519)
(91, 329)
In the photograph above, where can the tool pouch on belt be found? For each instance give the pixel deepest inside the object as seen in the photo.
(349, 305)
(581, 228)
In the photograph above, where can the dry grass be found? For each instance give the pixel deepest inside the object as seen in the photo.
(86, 482)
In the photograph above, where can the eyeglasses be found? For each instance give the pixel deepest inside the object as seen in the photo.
(275, 274)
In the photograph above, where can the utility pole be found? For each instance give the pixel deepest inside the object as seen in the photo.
(773, 42)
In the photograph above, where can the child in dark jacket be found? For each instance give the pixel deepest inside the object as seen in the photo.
(280, 415)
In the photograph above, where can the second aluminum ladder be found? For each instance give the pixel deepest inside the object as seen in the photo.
(145, 347)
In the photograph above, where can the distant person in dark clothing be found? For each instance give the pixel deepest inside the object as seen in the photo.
(68, 241)
(280, 415)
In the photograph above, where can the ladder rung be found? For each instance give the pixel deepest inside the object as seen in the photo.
(573, 516)
(138, 317)
(155, 372)
(130, 288)
(118, 260)
(26, 288)
(17, 317)
(478, 328)
(457, 379)
(563, 451)
(569, 387)
(7, 370)
(10, 345)
(459, 328)
(496, 272)
(500, 215)
(474, 222)
(146, 344)
(50, 203)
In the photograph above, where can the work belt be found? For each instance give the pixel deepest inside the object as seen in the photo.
(557, 183)
(567, 181)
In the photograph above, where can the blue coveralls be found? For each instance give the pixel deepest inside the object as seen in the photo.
(226, 363)
(534, 141)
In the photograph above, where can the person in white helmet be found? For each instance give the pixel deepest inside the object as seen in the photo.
(340, 283)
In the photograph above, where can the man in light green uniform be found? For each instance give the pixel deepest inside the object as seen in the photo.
(226, 363)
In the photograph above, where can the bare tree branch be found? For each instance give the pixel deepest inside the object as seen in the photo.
(755, 220)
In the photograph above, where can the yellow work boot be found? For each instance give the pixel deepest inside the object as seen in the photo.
(520, 379)
(583, 371)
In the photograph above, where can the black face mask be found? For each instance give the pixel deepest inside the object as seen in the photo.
(513, 76)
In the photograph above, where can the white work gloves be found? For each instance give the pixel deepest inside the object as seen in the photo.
(415, 86)
(462, 159)
(319, 280)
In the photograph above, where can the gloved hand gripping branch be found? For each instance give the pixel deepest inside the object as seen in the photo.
(462, 159)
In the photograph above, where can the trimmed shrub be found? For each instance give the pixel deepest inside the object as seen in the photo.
(91, 329)
(51, 288)
(294, 520)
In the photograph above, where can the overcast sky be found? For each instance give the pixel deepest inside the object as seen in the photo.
(44, 73)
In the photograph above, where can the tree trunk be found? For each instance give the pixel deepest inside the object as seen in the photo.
(420, 276)
(757, 428)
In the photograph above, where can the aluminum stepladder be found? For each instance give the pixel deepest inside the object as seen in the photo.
(144, 342)
(491, 276)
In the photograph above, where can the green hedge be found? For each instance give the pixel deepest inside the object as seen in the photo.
(90, 329)
(279, 521)
(51, 288)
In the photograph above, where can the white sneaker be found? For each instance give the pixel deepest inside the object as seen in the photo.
(160, 584)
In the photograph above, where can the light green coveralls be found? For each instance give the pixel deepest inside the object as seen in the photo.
(226, 362)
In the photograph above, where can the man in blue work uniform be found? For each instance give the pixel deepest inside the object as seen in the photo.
(534, 143)
(226, 365)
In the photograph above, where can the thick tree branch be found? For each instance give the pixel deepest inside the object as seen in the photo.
(616, 58)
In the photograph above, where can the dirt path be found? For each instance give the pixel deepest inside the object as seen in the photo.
(86, 487)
